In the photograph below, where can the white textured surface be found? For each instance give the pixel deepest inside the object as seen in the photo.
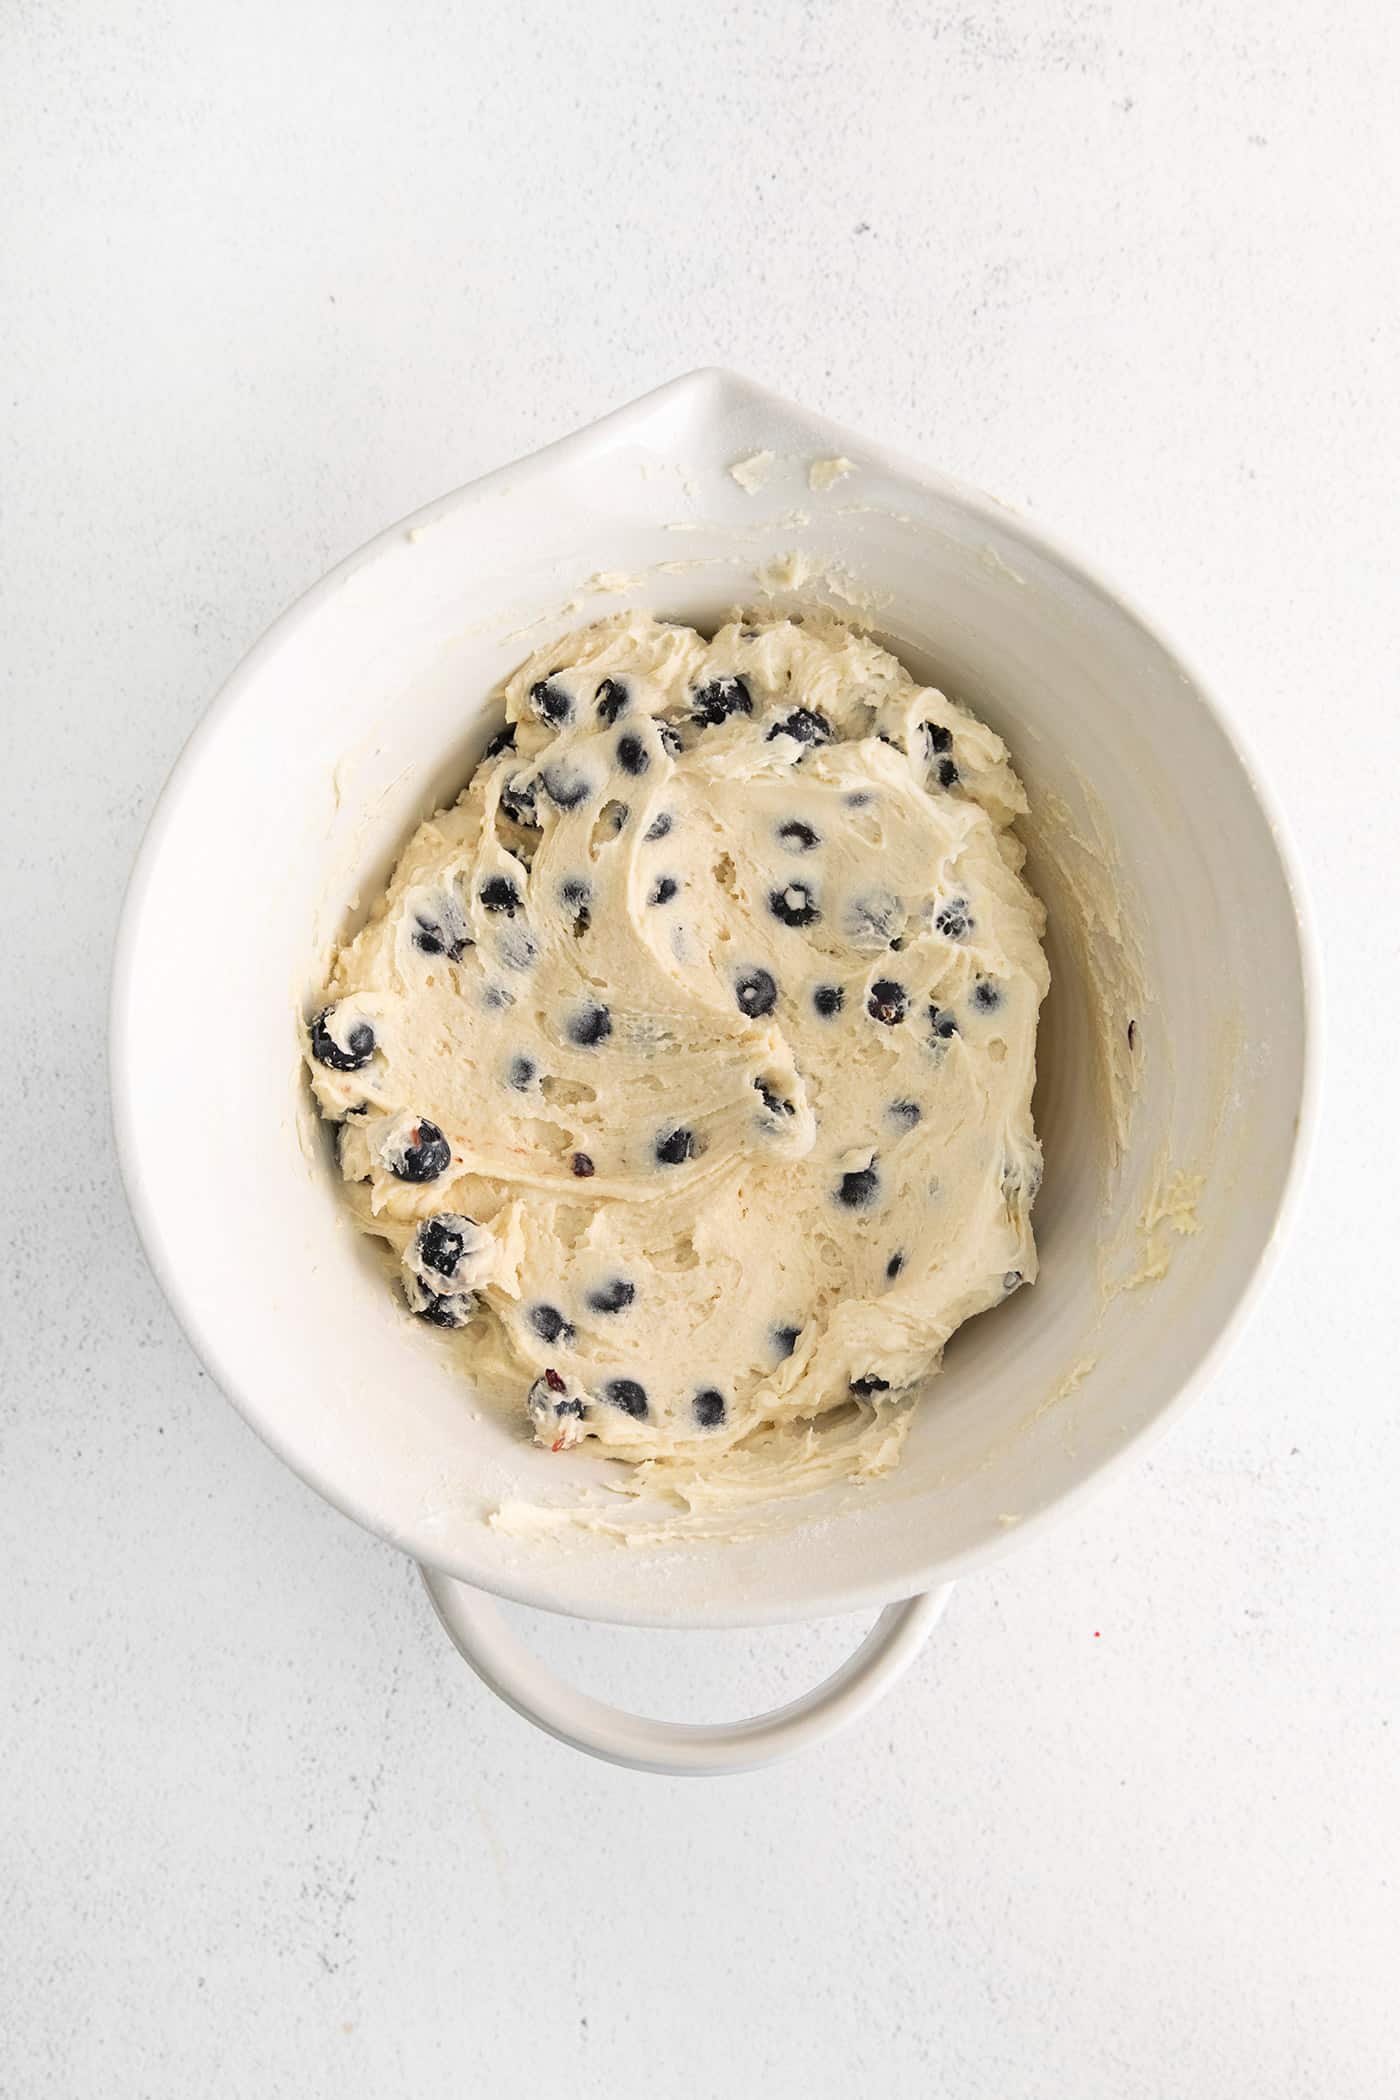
(274, 275)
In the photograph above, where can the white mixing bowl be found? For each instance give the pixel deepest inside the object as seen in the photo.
(1171, 907)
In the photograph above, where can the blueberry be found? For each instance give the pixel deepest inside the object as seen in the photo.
(614, 1297)
(798, 835)
(632, 754)
(499, 893)
(522, 1072)
(905, 1113)
(518, 802)
(709, 1408)
(578, 896)
(452, 1312)
(756, 994)
(551, 703)
(425, 1158)
(888, 1002)
(795, 905)
(864, 1387)
(629, 1396)
(612, 697)
(674, 1147)
(671, 740)
(774, 1103)
(859, 799)
(859, 1190)
(941, 1021)
(439, 1244)
(550, 1325)
(785, 1340)
(954, 921)
(659, 826)
(893, 1266)
(583, 1166)
(805, 725)
(664, 890)
(986, 995)
(947, 773)
(721, 698)
(353, 1055)
(1012, 1281)
(444, 935)
(590, 1026)
(939, 738)
(564, 787)
(828, 999)
(503, 740)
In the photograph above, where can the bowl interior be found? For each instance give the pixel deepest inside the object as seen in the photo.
(1172, 1051)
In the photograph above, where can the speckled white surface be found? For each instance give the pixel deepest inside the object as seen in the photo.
(275, 275)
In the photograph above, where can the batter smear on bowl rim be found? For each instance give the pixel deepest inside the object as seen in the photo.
(686, 1064)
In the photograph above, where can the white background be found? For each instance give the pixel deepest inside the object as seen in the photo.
(274, 274)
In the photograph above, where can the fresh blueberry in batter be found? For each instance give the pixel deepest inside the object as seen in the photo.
(427, 1155)
(954, 921)
(721, 698)
(709, 1408)
(550, 1325)
(905, 1113)
(795, 905)
(551, 703)
(358, 1049)
(774, 1103)
(583, 1166)
(632, 754)
(828, 999)
(756, 994)
(565, 788)
(939, 738)
(522, 1073)
(589, 1026)
(986, 996)
(859, 1190)
(664, 890)
(806, 725)
(888, 1002)
(658, 827)
(578, 896)
(865, 1387)
(672, 742)
(499, 893)
(439, 1242)
(675, 1147)
(947, 773)
(893, 1266)
(614, 1297)
(941, 1021)
(612, 697)
(440, 936)
(518, 802)
(629, 1396)
(799, 836)
(451, 1312)
(785, 1340)
(503, 740)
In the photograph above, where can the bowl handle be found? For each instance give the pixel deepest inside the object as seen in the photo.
(682, 1749)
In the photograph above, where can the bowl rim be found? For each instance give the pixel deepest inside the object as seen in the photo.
(522, 1586)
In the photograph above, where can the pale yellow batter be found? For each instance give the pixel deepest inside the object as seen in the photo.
(686, 1064)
